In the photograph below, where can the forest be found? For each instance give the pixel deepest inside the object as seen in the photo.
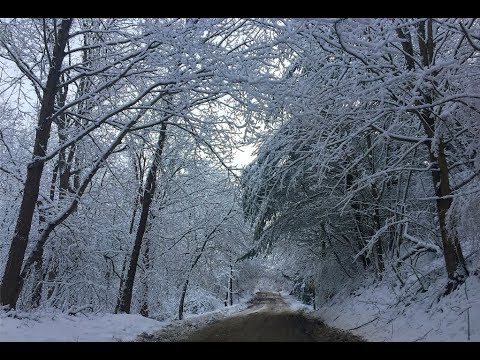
(122, 188)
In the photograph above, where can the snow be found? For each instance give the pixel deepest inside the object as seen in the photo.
(293, 303)
(43, 326)
(40, 327)
(179, 330)
(50, 327)
(229, 310)
(373, 311)
(376, 314)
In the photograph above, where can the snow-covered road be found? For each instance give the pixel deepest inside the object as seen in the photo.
(267, 318)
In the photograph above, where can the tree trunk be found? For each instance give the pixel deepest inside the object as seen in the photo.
(185, 285)
(356, 207)
(125, 297)
(182, 300)
(144, 306)
(452, 252)
(139, 173)
(37, 275)
(230, 285)
(9, 290)
(378, 248)
(122, 280)
(63, 167)
(39, 248)
(51, 275)
(238, 291)
(194, 263)
(226, 298)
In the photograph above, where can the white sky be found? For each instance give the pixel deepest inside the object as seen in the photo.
(243, 156)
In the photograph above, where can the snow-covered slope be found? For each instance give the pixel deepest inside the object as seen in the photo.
(375, 313)
(60, 327)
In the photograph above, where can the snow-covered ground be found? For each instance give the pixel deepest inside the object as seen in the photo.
(294, 304)
(61, 327)
(375, 313)
(178, 330)
(43, 326)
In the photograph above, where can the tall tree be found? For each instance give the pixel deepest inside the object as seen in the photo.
(125, 298)
(9, 288)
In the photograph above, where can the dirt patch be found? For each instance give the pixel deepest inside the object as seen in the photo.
(268, 326)
(179, 330)
(267, 318)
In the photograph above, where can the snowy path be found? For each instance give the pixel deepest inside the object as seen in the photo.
(268, 318)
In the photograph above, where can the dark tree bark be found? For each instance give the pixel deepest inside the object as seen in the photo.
(226, 299)
(182, 299)
(230, 285)
(229, 294)
(125, 298)
(139, 166)
(9, 289)
(63, 167)
(122, 280)
(452, 252)
(378, 248)
(144, 306)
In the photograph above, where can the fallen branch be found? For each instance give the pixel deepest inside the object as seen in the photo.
(423, 337)
(358, 327)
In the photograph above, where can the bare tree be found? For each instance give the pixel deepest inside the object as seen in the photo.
(10, 282)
